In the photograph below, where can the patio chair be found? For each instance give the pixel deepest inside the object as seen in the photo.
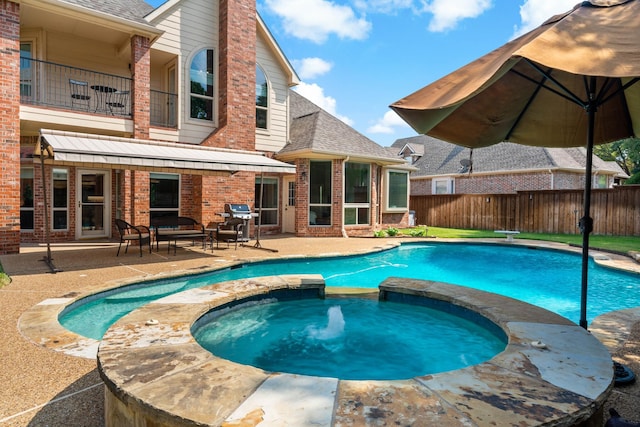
(229, 231)
(133, 233)
(79, 94)
(118, 102)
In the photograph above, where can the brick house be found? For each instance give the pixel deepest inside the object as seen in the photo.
(348, 184)
(444, 168)
(141, 113)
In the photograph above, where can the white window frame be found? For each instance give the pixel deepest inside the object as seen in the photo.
(386, 208)
(59, 209)
(259, 107)
(449, 182)
(32, 208)
(167, 176)
(361, 205)
(190, 95)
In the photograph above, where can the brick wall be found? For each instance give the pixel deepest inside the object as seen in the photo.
(505, 183)
(140, 96)
(10, 127)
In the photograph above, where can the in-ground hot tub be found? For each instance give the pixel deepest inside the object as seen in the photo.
(552, 371)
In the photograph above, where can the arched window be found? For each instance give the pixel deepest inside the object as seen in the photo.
(201, 75)
(262, 99)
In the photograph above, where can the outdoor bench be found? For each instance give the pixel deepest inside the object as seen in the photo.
(509, 233)
(172, 229)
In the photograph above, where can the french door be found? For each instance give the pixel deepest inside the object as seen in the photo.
(93, 214)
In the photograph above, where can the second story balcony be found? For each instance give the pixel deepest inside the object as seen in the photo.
(56, 86)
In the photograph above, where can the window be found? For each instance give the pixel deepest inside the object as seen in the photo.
(262, 99)
(26, 70)
(397, 191)
(356, 193)
(164, 200)
(442, 186)
(269, 215)
(60, 196)
(26, 199)
(320, 178)
(201, 74)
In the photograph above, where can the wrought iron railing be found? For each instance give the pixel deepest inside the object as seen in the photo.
(48, 84)
(164, 109)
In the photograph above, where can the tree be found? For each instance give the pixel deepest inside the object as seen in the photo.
(626, 153)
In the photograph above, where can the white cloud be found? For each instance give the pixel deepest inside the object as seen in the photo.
(315, 94)
(535, 12)
(316, 20)
(447, 13)
(383, 6)
(310, 68)
(388, 124)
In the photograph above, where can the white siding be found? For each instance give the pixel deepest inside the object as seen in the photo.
(189, 27)
(275, 137)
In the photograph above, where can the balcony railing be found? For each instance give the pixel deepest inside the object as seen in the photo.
(164, 109)
(48, 84)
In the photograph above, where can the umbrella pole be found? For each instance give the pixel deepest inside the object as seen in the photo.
(586, 222)
(258, 245)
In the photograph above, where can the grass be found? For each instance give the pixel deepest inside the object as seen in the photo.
(620, 244)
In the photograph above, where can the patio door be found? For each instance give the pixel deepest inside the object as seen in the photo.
(94, 207)
(289, 201)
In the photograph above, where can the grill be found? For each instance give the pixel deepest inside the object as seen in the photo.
(241, 211)
(238, 210)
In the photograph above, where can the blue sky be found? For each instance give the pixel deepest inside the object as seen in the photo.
(355, 57)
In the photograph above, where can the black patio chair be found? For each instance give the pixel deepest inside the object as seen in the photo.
(133, 233)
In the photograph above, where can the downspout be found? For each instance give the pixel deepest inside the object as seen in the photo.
(344, 169)
(551, 183)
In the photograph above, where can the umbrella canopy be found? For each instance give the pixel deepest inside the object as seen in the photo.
(571, 82)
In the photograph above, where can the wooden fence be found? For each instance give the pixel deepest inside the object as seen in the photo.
(614, 211)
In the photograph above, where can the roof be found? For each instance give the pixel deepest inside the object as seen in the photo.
(315, 131)
(443, 158)
(132, 10)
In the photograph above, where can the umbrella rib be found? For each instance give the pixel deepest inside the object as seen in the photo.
(622, 89)
(541, 85)
(563, 92)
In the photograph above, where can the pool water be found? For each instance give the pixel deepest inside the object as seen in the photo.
(546, 278)
(353, 339)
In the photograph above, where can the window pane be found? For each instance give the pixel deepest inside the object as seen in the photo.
(350, 216)
(320, 183)
(261, 88)
(26, 220)
(356, 183)
(269, 217)
(363, 215)
(261, 118)
(26, 188)
(398, 185)
(269, 192)
(60, 220)
(202, 80)
(59, 188)
(320, 215)
(26, 71)
(165, 191)
(202, 73)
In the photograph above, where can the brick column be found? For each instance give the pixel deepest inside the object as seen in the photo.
(236, 76)
(141, 111)
(9, 127)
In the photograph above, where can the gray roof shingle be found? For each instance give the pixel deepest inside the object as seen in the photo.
(443, 158)
(133, 10)
(312, 128)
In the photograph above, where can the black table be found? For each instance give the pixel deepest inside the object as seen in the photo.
(103, 94)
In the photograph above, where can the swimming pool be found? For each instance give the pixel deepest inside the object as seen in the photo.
(546, 278)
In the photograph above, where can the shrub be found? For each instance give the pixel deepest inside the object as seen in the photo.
(392, 231)
(380, 233)
(418, 232)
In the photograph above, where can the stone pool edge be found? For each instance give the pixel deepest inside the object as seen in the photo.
(152, 367)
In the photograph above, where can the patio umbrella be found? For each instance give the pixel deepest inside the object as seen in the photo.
(573, 81)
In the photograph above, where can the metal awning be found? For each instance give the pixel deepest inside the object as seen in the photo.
(127, 153)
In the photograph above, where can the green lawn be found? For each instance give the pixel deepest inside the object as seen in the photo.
(621, 244)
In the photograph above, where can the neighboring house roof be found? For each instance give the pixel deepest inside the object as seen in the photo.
(314, 132)
(132, 10)
(443, 158)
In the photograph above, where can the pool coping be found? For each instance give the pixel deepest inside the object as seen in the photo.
(155, 370)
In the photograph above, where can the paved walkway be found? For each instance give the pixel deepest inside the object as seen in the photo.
(41, 387)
